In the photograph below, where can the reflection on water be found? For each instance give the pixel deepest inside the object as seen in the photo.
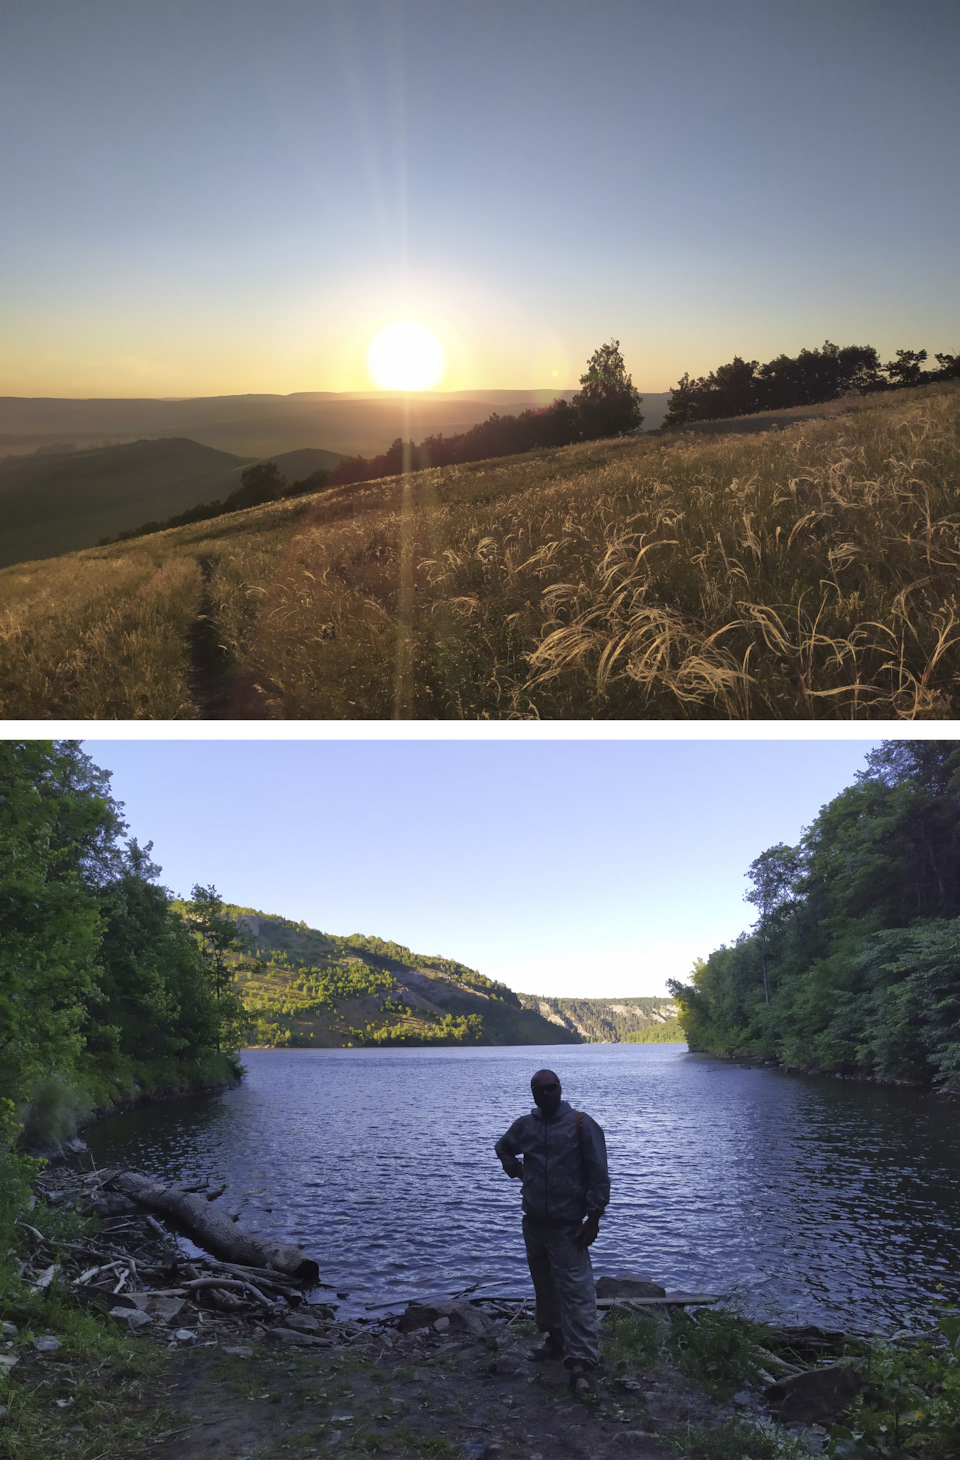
(839, 1203)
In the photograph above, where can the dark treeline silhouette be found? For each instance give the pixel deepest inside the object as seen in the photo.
(745, 386)
(262, 482)
(607, 404)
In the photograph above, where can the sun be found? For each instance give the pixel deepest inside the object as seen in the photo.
(405, 356)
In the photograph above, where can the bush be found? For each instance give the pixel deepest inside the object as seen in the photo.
(52, 1113)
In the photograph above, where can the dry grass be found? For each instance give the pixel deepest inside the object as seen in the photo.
(96, 639)
(809, 571)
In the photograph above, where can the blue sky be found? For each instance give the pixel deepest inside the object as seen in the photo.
(565, 867)
(209, 196)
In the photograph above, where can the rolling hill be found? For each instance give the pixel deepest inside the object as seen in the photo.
(56, 502)
(315, 990)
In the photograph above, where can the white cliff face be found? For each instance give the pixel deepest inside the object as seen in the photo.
(601, 1021)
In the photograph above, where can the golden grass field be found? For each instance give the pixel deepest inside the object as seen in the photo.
(809, 570)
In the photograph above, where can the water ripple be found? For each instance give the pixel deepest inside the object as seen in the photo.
(831, 1202)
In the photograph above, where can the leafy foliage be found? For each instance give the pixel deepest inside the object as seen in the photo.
(744, 387)
(104, 992)
(854, 964)
(608, 403)
(910, 1402)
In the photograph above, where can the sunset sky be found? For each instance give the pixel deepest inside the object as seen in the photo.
(219, 196)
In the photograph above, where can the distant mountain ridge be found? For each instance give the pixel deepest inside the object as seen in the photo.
(260, 426)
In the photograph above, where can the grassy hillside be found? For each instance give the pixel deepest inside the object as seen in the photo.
(314, 990)
(54, 502)
(611, 1021)
(807, 571)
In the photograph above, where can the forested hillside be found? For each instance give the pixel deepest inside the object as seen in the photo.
(612, 1021)
(853, 965)
(307, 989)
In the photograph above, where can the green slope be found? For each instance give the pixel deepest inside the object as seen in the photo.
(315, 990)
(57, 502)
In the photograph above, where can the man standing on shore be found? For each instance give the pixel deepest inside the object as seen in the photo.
(565, 1191)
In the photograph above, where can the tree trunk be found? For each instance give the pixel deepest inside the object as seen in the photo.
(212, 1229)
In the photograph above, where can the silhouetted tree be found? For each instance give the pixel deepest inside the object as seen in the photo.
(743, 387)
(608, 403)
(905, 369)
(263, 482)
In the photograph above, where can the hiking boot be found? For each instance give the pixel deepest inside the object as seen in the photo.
(579, 1379)
(551, 1348)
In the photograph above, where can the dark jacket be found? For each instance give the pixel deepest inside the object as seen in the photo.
(564, 1167)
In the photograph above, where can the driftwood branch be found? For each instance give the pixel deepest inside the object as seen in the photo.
(212, 1229)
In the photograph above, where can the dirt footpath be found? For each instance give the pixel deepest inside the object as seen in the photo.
(419, 1394)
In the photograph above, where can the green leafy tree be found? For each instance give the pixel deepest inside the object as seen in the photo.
(223, 943)
(773, 874)
(854, 965)
(608, 403)
(58, 826)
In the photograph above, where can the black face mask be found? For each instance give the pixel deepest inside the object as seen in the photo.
(546, 1097)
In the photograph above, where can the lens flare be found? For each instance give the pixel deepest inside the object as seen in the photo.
(405, 356)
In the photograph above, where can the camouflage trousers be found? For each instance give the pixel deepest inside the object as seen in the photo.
(563, 1282)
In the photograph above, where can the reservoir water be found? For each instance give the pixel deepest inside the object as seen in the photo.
(827, 1201)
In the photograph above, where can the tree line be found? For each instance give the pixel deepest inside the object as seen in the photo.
(106, 991)
(853, 965)
(607, 404)
(745, 386)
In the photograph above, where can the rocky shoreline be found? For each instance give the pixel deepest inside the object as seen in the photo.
(234, 1337)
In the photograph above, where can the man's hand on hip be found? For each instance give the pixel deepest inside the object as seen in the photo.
(513, 1168)
(588, 1232)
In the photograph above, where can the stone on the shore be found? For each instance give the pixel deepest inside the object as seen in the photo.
(425, 1315)
(8, 1330)
(46, 1343)
(166, 1309)
(629, 1285)
(134, 1318)
(818, 1396)
(302, 1322)
(186, 1335)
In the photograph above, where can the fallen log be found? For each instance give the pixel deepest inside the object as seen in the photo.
(212, 1229)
